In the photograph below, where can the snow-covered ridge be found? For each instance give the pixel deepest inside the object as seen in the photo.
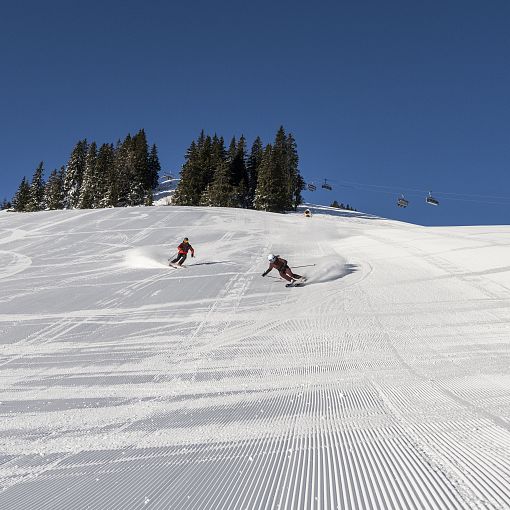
(165, 190)
(383, 383)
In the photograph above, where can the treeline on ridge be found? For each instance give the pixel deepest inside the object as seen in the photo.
(267, 178)
(108, 176)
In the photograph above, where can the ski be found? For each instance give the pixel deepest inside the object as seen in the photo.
(176, 266)
(297, 283)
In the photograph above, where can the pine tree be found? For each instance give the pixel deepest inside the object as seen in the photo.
(238, 172)
(106, 179)
(281, 174)
(218, 152)
(153, 167)
(184, 193)
(205, 198)
(115, 182)
(88, 189)
(22, 197)
(221, 192)
(5, 204)
(74, 175)
(54, 190)
(265, 199)
(141, 181)
(124, 170)
(252, 168)
(36, 192)
(198, 170)
(296, 183)
(207, 165)
(149, 198)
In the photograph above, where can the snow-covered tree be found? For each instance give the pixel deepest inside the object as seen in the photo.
(74, 174)
(153, 168)
(197, 172)
(279, 182)
(124, 169)
(238, 173)
(266, 194)
(141, 180)
(88, 189)
(54, 190)
(105, 177)
(22, 196)
(296, 183)
(221, 192)
(36, 192)
(252, 167)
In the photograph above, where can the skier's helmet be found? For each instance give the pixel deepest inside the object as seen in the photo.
(271, 257)
(185, 239)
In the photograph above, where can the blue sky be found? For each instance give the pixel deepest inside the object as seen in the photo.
(394, 96)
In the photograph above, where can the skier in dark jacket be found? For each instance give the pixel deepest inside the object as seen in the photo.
(276, 262)
(182, 252)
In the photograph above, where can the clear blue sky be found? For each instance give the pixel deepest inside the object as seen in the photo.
(408, 95)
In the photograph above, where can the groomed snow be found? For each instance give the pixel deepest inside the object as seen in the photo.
(384, 383)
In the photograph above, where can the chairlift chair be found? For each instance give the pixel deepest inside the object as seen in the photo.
(402, 202)
(327, 186)
(311, 187)
(431, 200)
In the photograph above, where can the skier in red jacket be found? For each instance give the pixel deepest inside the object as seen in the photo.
(182, 252)
(276, 262)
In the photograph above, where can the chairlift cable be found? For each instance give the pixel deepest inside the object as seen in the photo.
(391, 190)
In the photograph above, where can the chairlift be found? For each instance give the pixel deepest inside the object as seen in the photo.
(431, 200)
(402, 202)
(311, 186)
(326, 185)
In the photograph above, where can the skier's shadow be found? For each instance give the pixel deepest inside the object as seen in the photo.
(211, 263)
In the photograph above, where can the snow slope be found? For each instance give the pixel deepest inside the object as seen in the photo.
(383, 383)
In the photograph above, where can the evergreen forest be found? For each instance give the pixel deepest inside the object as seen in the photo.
(263, 177)
(95, 177)
(266, 177)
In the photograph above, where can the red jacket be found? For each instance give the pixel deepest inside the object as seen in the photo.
(184, 248)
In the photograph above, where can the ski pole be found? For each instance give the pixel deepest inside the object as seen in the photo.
(309, 265)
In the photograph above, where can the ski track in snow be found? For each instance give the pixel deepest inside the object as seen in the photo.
(12, 263)
(383, 383)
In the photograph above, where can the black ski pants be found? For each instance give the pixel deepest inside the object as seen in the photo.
(180, 257)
